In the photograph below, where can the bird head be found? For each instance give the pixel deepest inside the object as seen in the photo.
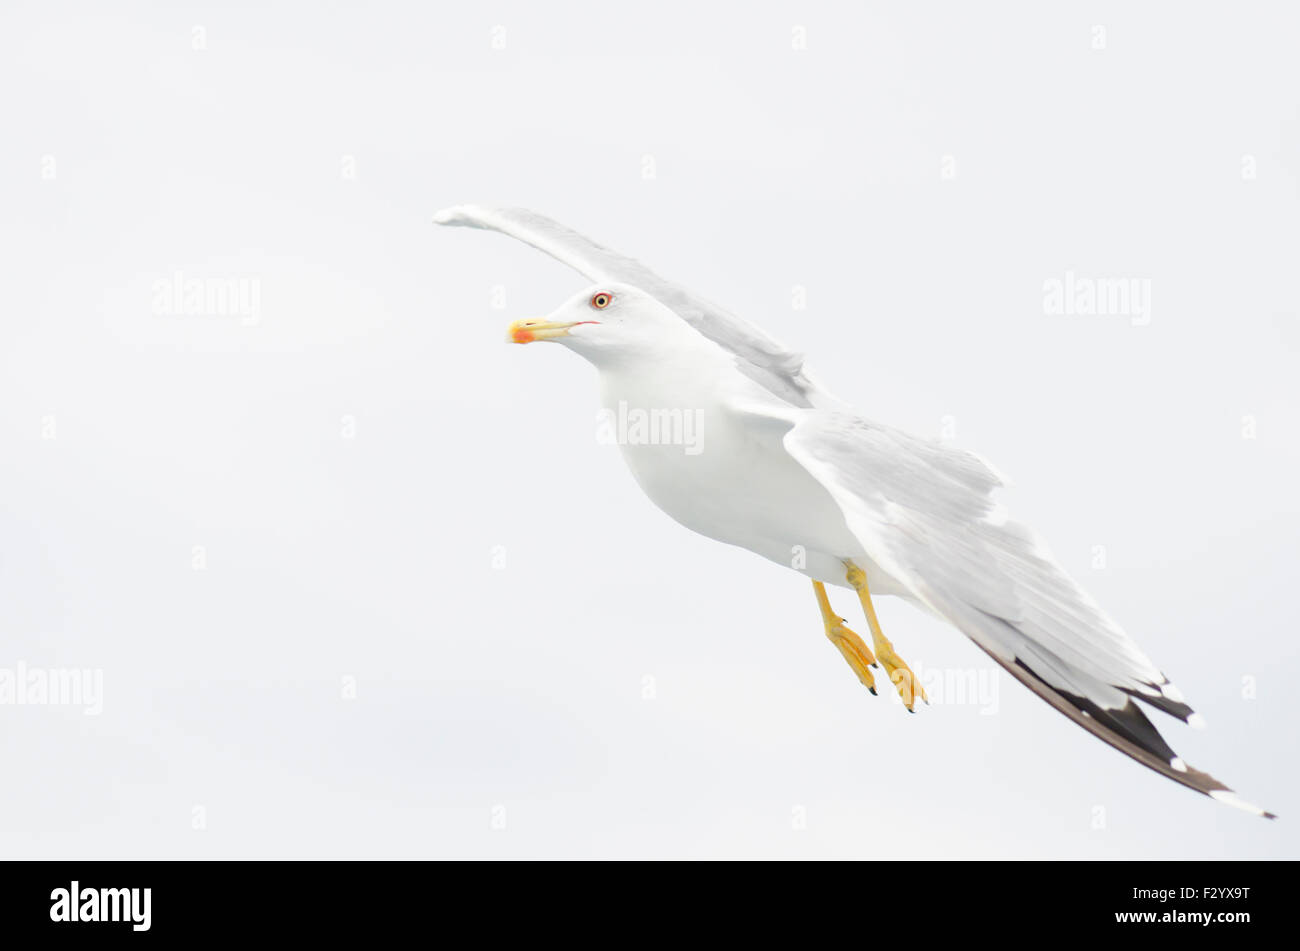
(604, 321)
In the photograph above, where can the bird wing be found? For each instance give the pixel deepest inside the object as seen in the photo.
(765, 361)
(926, 515)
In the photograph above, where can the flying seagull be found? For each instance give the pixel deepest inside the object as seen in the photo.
(791, 469)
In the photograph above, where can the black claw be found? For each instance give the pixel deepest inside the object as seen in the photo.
(873, 691)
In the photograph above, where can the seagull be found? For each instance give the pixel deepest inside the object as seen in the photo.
(783, 468)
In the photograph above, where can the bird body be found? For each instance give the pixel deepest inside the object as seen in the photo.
(782, 468)
(786, 516)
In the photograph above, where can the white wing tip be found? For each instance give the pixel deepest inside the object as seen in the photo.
(457, 215)
(998, 474)
(996, 516)
(1177, 764)
(1228, 797)
(1196, 721)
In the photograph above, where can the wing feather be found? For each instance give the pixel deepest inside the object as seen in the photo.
(927, 516)
(758, 356)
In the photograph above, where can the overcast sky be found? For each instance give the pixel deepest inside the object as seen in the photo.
(341, 574)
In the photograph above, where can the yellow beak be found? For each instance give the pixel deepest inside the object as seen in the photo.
(526, 331)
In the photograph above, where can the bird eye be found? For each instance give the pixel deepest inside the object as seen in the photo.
(601, 300)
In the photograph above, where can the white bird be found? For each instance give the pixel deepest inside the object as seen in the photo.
(788, 471)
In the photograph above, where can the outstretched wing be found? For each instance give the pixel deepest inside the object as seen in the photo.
(758, 356)
(925, 514)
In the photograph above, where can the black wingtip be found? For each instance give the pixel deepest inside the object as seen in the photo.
(1175, 708)
(1128, 731)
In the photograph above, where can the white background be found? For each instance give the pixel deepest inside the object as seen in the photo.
(305, 150)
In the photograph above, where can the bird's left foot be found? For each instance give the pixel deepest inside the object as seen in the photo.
(908, 685)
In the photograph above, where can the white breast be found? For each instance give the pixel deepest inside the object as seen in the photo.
(735, 483)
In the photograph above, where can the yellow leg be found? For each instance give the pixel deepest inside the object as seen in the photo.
(853, 648)
(909, 688)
